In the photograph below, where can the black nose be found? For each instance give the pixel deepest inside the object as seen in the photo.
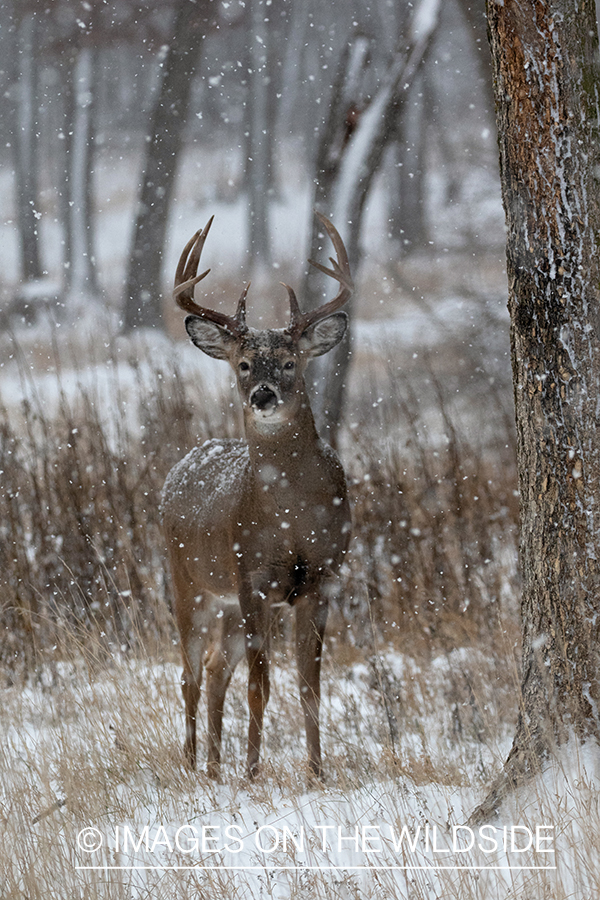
(263, 397)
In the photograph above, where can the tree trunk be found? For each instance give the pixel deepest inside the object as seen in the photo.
(81, 272)
(63, 152)
(295, 42)
(142, 295)
(546, 105)
(347, 101)
(474, 14)
(406, 200)
(25, 143)
(258, 171)
(349, 190)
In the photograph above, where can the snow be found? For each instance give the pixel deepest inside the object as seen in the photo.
(396, 836)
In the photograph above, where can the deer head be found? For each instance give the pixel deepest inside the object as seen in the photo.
(269, 364)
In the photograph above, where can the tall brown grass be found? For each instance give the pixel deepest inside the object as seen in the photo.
(85, 623)
(81, 551)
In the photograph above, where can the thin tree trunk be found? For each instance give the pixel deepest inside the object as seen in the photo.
(406, 197)
(345, 104)
(81, 272)
(64, 149)
(544, 56)
(258, 170)
(350, 188)
(142, 293)
(25, 144)
(474, 13)
(295, 41)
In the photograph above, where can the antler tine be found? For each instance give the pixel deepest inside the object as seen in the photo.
(295, 313)
(185, 275)
(340, 271)
(186, 279)
(240, 313)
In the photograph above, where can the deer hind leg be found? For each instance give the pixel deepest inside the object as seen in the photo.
(191, 682)
(221, 661)
(256, 622)
(311, 618)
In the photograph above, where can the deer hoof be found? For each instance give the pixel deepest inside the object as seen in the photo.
(253, 771)
(213, 771)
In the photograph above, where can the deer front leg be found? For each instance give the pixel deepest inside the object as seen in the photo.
(190, 688)
(255, 615)
(192, 651)
(220, 665)
(311, 618)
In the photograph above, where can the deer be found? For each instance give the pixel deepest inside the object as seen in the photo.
(254, 523)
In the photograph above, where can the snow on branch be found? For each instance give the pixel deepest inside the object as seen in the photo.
(368, 142)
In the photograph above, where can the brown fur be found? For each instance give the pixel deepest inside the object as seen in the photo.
(256, 522)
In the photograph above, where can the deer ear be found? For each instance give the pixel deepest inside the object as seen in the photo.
(209, 337)
(322, 337)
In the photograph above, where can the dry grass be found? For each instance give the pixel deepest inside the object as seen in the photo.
(82, 468)
(99, 746)
(420, 674)
(82, 551)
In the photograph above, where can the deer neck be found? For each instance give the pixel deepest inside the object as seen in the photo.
(277, 446)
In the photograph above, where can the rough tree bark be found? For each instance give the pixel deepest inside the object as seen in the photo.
(546, 86)
(142, 292)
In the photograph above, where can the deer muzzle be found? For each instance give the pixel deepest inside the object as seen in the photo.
(264, 399)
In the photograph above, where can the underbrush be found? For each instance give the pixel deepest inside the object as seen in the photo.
(83, 460)
(435, 513)
(420, 676)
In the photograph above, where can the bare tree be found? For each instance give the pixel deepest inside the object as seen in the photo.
(142, 292)
(81, 268)
(347, 102)
(349, 185)
(54, 129)
(406, 199)
(474, 14)
(258, 164)
(24, 50)
(547, 92)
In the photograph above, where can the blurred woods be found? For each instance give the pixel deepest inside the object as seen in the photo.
(123, 118)
(349, 91)
(355, 89)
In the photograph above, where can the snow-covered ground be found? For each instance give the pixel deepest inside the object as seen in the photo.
(96, 801)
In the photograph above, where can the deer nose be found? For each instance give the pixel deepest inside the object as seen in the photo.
(263, 397)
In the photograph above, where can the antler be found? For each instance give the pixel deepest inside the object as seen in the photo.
(186, 279)
(340, 271)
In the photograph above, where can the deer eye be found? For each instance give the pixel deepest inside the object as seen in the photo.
(289, 365)
(244, 366)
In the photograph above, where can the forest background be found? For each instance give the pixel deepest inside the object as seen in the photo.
(127, 125)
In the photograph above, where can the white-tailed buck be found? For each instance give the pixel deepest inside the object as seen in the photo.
(254, 522)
